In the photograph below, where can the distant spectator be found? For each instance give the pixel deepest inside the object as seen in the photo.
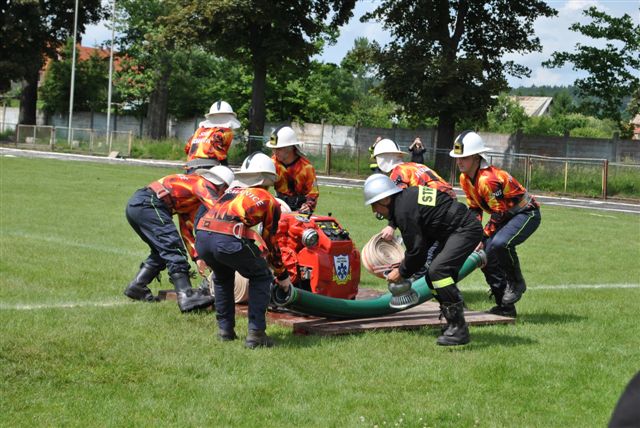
(417, 151)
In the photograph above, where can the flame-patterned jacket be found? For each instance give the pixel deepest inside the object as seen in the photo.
(498, 193)
(251, 206)
(184, 195)
(297, 179)
(209, 143)
(409, 174)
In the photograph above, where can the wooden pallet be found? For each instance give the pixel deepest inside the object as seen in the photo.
(424, 315)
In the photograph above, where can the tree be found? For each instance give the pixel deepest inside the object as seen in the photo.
(33, 30)
(92, 81)
(506, 115)
(267, 36)
(445, 57)
(150, 58)
(613, 70)
(562, 104)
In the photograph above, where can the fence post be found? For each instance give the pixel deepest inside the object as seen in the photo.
(321, 134)
(130, 143)
(357, 161)
(605, 177)
(327, 160)
(527, 172)
(17, 134)
(52, 138)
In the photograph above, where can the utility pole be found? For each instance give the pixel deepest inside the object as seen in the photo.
(73, 72)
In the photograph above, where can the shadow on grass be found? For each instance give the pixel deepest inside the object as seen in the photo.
(549, 318)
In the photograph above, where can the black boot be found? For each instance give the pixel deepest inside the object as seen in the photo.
(258, 339)
(188, 298)
(457, 332)
(226, 335)
(515, 288)
(500, 308)
(137, 289)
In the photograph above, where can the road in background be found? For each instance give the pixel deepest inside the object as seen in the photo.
(592, 204)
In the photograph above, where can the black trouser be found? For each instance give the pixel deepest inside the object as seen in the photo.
(502, 259)
(152, 221)
(226, 254)
(443, 270)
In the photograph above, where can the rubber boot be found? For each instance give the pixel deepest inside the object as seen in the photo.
(500, 308)
(188, 298)
(515, 288)
(258, 339)
(137, 289)
(457, 332)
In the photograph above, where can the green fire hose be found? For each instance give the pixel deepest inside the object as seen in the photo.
(330, 307)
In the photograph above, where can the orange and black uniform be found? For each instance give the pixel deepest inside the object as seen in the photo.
(296, 183)
(514, 216)
(209, 143)
(226, 244)
(409, 174)
(150, 211)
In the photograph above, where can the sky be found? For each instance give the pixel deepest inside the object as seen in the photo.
(553, 32)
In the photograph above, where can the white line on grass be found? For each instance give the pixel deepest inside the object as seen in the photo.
(63, 305)
(65, 242)
(107, 304)
(559, 287)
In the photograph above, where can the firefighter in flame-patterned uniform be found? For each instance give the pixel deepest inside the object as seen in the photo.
(228, 245)
(210, 143)
(150, 211)
(407, 174)
(296, 183)
(514, 216)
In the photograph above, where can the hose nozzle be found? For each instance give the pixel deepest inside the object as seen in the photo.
(402, 295)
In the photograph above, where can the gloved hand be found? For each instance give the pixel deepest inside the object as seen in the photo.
(387, 233)
(202, 267)
(284, 283)
(304, 209)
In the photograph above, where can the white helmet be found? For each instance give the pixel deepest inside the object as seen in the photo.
(283, 136)
(378, 186)
(257, 170)
(386, 146)
(468, 143)
(217, 175)
(221, 114)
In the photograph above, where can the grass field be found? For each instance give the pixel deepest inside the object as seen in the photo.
(75, 352)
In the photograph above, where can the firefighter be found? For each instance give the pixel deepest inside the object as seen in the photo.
(296, 183)
(210, 143)
(389, 159)
(514, 216)
(423, 215)
(150, 211)
(227, 244)
(373, 166)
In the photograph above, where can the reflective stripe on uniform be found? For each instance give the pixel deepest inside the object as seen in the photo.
(443, 282)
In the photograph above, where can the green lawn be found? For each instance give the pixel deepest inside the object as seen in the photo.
(75, 352)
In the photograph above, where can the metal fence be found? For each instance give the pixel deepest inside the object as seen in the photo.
(91, 141)
(562, 176)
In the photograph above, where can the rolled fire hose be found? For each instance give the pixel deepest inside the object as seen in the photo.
(379, 255)
(240, 288)
(331, 307)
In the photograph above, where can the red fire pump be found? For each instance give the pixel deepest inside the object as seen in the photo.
(319, 255)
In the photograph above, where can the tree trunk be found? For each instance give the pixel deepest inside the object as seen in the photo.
(444, 143)
(29, 99)
(158, 105)
(257, 112)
